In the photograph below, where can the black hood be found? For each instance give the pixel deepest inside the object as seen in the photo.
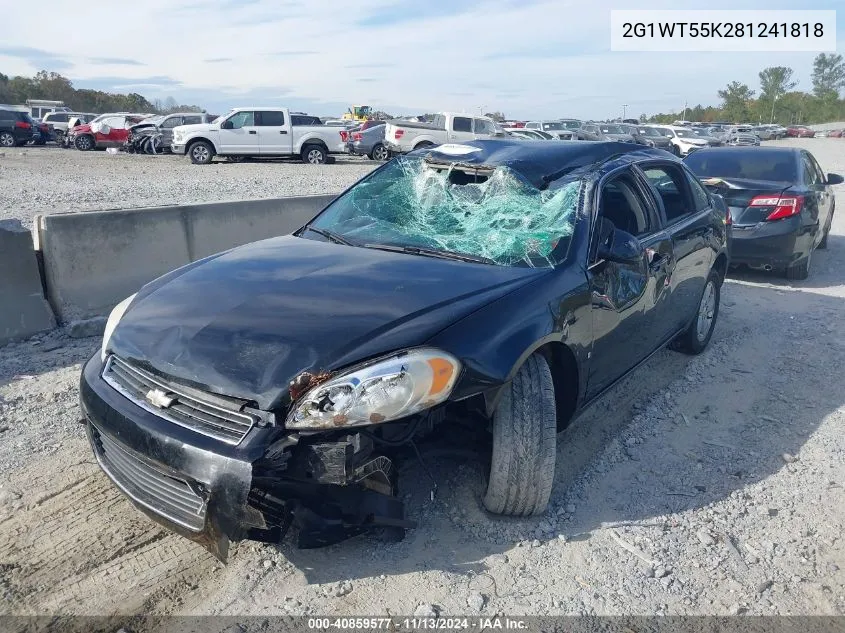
(245, 322)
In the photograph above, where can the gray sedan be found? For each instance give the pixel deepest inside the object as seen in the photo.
(369, 142)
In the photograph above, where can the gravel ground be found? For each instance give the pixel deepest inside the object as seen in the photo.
(710, 485)
(50, 180)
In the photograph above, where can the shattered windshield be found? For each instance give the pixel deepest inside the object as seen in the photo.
(491, 213)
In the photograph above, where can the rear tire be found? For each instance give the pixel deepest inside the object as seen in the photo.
(314, 155)
(201, 153)
(524, 443)
(379, 153)
(696, 337)
(801, 270)
(6, 139)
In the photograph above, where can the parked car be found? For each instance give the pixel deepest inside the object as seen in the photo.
(529, 135)
(60, 121)
(161, 127)
(650, 137)
(368, 142)
(704, 133)
(836, 133)
(284, 381)
(258, 133)
(604, 132)
(448, 127)
(559, 129)
(742, 139)
(106, 130)
(800, 131)
(763, 132)
(683, 140)
(16, 127)
(780, 201)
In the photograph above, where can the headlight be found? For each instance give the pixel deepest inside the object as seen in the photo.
(177, 136)
(111, 323)
(384, 390)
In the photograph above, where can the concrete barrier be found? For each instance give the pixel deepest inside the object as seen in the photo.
(23, 309)
(93, 260)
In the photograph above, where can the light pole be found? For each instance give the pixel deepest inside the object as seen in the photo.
(684, 117)
(624, 110)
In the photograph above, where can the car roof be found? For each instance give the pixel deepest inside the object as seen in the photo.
(540, 162)
(741, 152)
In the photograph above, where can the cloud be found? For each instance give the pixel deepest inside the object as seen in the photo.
(36, 57)
(403, 12)
(115, 61)
(376, 65)
(218, 60)
(292, 53)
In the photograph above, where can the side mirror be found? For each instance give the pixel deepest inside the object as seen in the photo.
(227, 125)
(835, 179)
(618, 246)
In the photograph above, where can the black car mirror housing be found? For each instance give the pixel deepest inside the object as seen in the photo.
(835, 179)
(621, 247)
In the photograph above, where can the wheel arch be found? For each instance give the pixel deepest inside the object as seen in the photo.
(720, 264)
(312, 140)
(199, 139)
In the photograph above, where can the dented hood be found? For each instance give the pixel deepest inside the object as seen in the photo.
(245, 322)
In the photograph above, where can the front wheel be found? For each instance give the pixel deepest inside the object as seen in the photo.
(524, 443)
(6, 139)
(696, 337)
(314, 155)
(201, 153)
(380, 153)
(84, 143)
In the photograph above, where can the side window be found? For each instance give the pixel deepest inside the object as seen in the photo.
(296, 119)
(811, 177)
(270, 118)
(531, 126)
(700, 198)
(670, 185)
(191, 120)
(172, 122)
(819, 170)
(462, 124)
(621, 201)
(242, 119)
(484, 127)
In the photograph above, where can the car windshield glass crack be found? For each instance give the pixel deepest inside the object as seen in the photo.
(489, 212)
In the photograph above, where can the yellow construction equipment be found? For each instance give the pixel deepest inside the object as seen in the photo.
(358, 113)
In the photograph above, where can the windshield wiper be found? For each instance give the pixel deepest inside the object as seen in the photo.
(431, 252)
(334, 237)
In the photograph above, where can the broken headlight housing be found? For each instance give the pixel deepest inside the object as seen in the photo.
(381, 391)
(114, 318)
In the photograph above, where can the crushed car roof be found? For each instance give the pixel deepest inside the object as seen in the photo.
(539, 162)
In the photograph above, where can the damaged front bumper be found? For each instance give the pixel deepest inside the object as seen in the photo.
(330, 487)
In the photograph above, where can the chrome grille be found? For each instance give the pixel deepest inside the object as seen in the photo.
(210, 415)
(171, 497)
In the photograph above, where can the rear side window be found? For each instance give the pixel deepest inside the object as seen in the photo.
(462, 124)
(699, 196)
(270, 118)
(812, 174)
(172, 122)
(191, 120)
(671, 187)
(5, 115)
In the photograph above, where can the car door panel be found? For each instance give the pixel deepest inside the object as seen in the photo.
(461, 129)
(273, 135)
(242, 138)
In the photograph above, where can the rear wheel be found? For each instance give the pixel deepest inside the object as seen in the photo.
(696, 337)
(201, 153)
(84, 143)
(314, 155)
(801, 270)
(524, 443)
(6, 139)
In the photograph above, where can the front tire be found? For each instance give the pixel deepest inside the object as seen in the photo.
(201, 153)
(84, 143)
(6, 139)
(696, 337)
(524, 443)
(314, 155)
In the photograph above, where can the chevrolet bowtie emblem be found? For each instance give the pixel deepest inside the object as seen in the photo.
(159, 398)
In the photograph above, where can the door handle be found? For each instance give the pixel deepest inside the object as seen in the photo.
(283, 131)
(253, 132)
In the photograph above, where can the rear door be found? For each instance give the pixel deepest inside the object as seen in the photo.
(687, 216)
(274, 136)
(629, 301)
(461, 129)
(819, 199)
(242, 137)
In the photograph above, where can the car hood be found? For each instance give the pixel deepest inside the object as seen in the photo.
(85, 127)
(245, 322)
(620, 137)
(197, 127)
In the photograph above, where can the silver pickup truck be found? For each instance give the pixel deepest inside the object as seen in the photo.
(401, 136)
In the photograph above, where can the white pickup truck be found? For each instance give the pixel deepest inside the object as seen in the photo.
(256, 132)
(402, 136)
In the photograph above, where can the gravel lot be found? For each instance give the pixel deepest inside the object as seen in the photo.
(706, 485)
(50, 180)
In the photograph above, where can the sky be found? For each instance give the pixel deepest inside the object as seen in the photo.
(525, 58)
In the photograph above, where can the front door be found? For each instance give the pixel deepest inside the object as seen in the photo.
(242, 137)
(629, 300)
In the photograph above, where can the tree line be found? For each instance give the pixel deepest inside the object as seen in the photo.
(776, 100)
(53, 86)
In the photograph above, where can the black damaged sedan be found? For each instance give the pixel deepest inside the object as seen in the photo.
(482, 292)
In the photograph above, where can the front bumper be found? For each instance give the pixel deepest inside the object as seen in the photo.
(213, 493)
(178, 148)
(770, 245)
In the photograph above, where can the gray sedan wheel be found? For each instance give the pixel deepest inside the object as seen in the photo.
(380, 152)
(6, 139)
